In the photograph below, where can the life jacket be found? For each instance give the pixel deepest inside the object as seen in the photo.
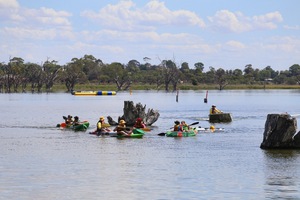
(139, 125)
(177, 127)
(185, 127)
(121, 128)
(99, 126)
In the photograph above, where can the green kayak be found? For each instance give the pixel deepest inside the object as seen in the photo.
(136, 133)
(189, 133)
(83, 126)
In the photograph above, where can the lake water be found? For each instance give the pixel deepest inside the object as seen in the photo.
(40, 161)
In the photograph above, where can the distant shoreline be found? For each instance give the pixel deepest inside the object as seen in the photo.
(112, 87)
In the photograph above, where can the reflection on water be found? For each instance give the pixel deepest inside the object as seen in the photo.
(281, 169)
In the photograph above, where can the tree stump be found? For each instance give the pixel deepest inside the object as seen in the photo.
(131, 112)
(280, 132)
(220, 118)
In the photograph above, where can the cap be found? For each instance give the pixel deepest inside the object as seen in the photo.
(101, 118)
(139, 119)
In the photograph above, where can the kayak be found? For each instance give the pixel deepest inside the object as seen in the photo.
(132, 135)
(83, 126)
(136, 133)
(200, 129)
(190, 133)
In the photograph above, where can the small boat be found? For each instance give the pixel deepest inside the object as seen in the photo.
(93, 93)
(200, 129)
(220, 118)
(136, 133)
(83, 126)
(132, 135)
(189, 133)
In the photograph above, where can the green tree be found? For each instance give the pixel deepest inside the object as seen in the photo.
(34, 76)
(170, 73)
(51, 70)
(73, 74)
(295, 72)
(120, 75)
(220, 77)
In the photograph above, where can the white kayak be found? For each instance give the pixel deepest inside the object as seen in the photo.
(201, 129)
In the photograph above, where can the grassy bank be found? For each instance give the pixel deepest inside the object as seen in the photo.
(112, 87)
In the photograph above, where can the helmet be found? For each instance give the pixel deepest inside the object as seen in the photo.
(211, 127)
(101, 118)
(213, 105)
(177, 122)
(122, 121)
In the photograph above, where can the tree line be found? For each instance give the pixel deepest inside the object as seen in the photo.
(18, 76)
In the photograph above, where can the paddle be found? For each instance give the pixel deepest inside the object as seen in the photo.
(163, 134)
(62, 125)
(146, 129)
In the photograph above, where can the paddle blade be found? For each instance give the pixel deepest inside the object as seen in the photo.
(146, 129)
(194, 123)
(161, 134)
(105, 125)
(63, 125)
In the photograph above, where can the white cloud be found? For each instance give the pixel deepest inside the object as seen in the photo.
(9, 10)
(229, 21)
(234, 46)
(267, 21)
(35, 34)
(126, 16)
(46, 17)
(297, 27)
(36, 24)
(238, 22)
(9, 4)
(283, 45)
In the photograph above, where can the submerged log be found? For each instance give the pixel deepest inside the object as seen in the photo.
(280, 132)
(131, 112)
(220, 118)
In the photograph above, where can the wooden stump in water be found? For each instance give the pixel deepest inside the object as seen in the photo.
(280, 132)
(220, 118)
(131, 112)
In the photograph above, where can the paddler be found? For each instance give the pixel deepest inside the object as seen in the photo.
(184, 126)
(76, 121)
(139, 123)
(121, 129)
(177, 126)
(101, 129)
(69, 120)
(214, 110)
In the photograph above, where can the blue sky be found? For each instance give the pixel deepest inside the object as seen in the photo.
(226, 34)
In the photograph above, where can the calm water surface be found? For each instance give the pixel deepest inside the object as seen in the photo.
(40, 161)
